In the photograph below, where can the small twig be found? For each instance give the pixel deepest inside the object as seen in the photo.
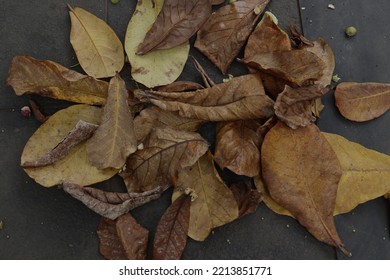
(37, 111)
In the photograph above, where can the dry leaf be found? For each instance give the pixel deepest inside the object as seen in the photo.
(302, 173)
(217, 2)
(28, 75)
(223, 35)
(297, 38)
(75, 167)
(81, 132)
(247, 198)
(177, 21)
(165, 152)
(208, 82)
(213, 202)
(297, 67)
(157, 68)
(114, 140)
(238, 147)
(240, 98)
(123, 239)
(153, 116)
(98, 49)
(180, 86)
(293, 106)
(170, 238)
(362, 101)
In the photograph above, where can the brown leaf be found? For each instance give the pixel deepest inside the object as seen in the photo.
(225, 32)
(82, 131)
(170, 238)
(362, 101)
(297, 67)
(179, 86)
(153, 116)
(294, 105)
(165, 152)
(177, 21)
(238, 147)
(28, 75)
(298, 39)
(213, 202)
(110, 204)
(208, 82)
(247, 198)
(37, 112)
(114, 140)
(302, 173)
(240, 98)
(123, 239)
(217, 2)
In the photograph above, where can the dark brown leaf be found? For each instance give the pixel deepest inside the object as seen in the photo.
(171, 233)
(302, 173)
(247, 198)
(294, 105)
(180, 86)
(37, 112)
(177, 21)
(241, 98)
(217, 2)
(298, 39)
(225, 32)
(362, 101)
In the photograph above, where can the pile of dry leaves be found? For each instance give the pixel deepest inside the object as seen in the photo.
(265, 125)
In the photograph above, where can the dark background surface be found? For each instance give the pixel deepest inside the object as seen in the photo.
(42, 223)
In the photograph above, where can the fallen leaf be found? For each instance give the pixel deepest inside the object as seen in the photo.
(165, 152)
(153, 116)
(114, 140)
(302, 172)
(217, 2)
(28, 75)
(362, 101)
(177, 21)
(240, 98)
(81, 132)
(293, 106)
(297, 38)
(226, 31)
(238, 147)
(75, 167)
(387, 196)
(110, 204)
(214, 203)
(170, 238)
(180, 86)
(248, 199)
(37, 112)
(297, 67)
(123, 239)
(157, 68)
(208, 82)
(97, 47)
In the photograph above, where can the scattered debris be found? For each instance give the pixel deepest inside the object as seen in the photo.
(25, 111)
(331, 6)
(350, 31)
(336, 78)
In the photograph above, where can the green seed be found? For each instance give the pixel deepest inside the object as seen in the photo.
(350, 31)
(115, 1)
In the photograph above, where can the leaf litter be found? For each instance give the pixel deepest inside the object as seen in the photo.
(149, 136)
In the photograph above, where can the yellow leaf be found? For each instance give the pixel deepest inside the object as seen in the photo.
(156, 68)
(98, 48)
(75, 167)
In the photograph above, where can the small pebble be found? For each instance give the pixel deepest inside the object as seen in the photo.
(288, 226)
(228, 241)
(331, 6)
(350, 31)
(354, 230)
(303, 8)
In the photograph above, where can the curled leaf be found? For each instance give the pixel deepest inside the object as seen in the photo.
(225, 32)
(28, 75)
(241, 98)
(177, 21)
(214, 203)
(180, 86)
(171, 234)
(114, 140)
(98, 49)
(157, 68)
(75, 166)
(247, 198)
(362, 101)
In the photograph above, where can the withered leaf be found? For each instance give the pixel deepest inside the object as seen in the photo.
(213, 202)
(298, 39)
(225, 32)
(75, 166)
(170, 238)
(28, 75)
(165, 152)
(81, 132)
(293, 106)
(297, 67)
(122, 239)
(302, 173)
(247, 198)
(177, 21)
(114, 140)
(153, 116)
(238, 147)
(208, 82)
(98, 48)
(217, 2)
(110, 204)
(241, 98)
(180, 86)
(362, 101)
